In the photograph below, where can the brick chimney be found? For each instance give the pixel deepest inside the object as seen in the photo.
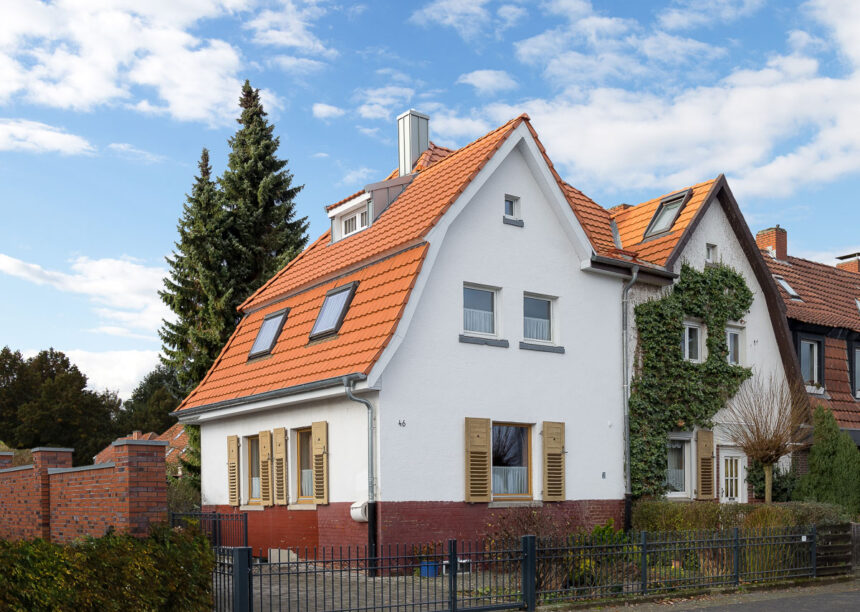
(774, 240)
(850, 262)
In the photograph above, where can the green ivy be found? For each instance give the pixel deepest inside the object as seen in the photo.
(669, 393)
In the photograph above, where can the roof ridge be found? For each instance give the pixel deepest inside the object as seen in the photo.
(848, 274)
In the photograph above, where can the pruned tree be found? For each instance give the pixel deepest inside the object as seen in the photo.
(765, 419)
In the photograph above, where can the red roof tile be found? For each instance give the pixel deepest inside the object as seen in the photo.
(177, 442)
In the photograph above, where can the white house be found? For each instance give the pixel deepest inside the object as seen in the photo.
(454, 345)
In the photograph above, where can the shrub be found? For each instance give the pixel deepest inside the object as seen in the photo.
(662, 515)
(784, 481)
(169, 570)
(182, 494)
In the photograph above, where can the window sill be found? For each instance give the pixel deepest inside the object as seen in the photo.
(512, 221)
(546, 348)
(815, 390)
(302, 507)
(251, 508)
(525, 503)
(485, 341)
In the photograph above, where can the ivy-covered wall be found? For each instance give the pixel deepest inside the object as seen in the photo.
(669, 393)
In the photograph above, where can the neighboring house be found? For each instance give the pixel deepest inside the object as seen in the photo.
(823, 309)
(453, 346)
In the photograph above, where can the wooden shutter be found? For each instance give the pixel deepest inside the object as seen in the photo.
(233, 470)
(319, 446)
(265, 438)
(705, 458)
(279, 466)
(553, 461)
(479, 440)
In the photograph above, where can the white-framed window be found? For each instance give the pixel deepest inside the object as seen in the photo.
(479, 310)
(512, 207)
(511, 467)
(691, 345)
(733, 344)
(679, 461)
(857, 373)
(809, 359)
(253, 472)
(355, 222)
(711, 253)
(537, 318)
(666, 214)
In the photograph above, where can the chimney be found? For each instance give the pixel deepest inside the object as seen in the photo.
(774, 240)
(413, 138)
(850, 262)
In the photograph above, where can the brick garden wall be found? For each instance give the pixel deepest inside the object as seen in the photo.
(52, 500)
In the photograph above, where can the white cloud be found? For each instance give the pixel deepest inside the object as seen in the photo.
(695, 13)
(128, 151)
(452, 130)
(356, 176)
(467, 17)
(36, 137)
(488, 81)
(300, 66)
(119, 371)
(290, 26)
(510, 15)
(326, 111)
(124, 292)
(381, 102)
(84, 55)
(320, 155)
(827, 257)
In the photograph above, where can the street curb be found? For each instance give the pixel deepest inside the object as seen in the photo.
(640, 599)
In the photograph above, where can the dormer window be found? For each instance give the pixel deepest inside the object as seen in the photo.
(351, 216)
(268, 334)
(667, 213)
(333, 311)
(354, 223)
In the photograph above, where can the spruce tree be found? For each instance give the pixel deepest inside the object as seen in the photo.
(263, 232)
(196, 285)
(834, 466)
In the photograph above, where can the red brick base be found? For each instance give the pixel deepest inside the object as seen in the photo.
(399, 522)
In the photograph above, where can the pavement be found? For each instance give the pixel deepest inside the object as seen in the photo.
(819, 598)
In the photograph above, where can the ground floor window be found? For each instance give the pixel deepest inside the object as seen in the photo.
(511, 450)
(253, 470)
(678, 462)
(305, 466)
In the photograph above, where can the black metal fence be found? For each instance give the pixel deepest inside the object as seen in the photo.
(221, 529)
(518, 575)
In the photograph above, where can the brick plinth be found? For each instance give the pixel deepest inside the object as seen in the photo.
(6, 459)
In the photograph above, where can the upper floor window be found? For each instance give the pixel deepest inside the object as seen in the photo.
(511, 450)
(667, 213)
(268, 334)
(512, 207)
(809, 362)
(354, 222)
(537, 319)
(333, 311)
(710, 253)
(857, 373)
(479, 310)
(692, 343)
(733, 343)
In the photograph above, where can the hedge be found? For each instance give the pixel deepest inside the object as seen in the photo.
(169, 570)
(662, 515)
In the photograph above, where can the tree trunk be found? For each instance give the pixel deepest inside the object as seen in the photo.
(768, 483)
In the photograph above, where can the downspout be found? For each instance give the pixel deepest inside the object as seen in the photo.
(372, 530)
(625, 359)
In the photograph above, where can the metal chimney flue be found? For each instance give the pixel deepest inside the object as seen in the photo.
(413, 138)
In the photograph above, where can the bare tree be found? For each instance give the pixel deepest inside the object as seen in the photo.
(765, 419)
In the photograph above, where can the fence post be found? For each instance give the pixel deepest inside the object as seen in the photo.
(242, 597)
(814, 552)
(737, 557)
(529, 572)
(643, 545)
(245, 528)
(452, 575)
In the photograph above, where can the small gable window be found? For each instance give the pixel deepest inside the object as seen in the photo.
(268, 334)
(333, 311)
(666, 213)
(788, 288)
(711, 253)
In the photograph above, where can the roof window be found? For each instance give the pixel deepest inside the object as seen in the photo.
(333, 311)
(788, 288)
(667, 213)
(268, 334)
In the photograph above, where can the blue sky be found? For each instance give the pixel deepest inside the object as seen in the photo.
(105, 106)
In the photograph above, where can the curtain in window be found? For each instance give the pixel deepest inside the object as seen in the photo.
(807, 362)
(510, 481)
(307, 483)
(477, 321)
(536, 329)
(254, 466)
(675, 480)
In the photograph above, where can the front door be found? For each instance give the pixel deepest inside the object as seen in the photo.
(733, 474)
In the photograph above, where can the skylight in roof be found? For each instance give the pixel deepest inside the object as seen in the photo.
(666, 214)
(268, 334)
(788, 288)
(333, 311)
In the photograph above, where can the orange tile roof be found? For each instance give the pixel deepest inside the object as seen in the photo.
(433, 154)
(633, 221)
(346, 199)
(383, 289)
(177, 442)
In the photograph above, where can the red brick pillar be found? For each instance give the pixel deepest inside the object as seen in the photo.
(45, 457)
(6, 459)
(142, 479)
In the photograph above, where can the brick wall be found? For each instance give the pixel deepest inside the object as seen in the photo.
(53, 500)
